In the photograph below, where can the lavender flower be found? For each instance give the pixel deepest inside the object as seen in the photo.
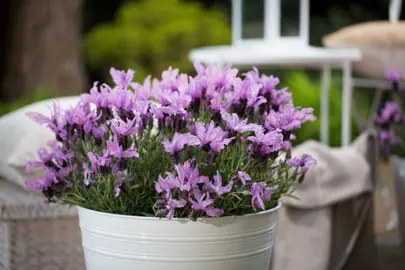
(172, 205)
(217, 187)
(306, 161)
(121, 78)
(391, 113)
(244, 177)
(395, 75)
(203, 202)
(179, 141)
(288, 119)
(126, 128)
(211, 136)
(234, 124)
(267, 142)
(116, 150)
(257, 196)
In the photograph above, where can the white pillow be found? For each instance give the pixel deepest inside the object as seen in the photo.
(20, 137)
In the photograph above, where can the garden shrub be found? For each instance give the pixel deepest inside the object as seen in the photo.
(150, 35)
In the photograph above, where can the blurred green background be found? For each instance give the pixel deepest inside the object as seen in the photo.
(151, 35)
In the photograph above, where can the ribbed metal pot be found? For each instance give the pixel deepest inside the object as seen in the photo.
(127, 242)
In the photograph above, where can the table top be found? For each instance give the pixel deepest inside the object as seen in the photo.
(263, 54)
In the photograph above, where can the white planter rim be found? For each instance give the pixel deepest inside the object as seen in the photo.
(179, 219)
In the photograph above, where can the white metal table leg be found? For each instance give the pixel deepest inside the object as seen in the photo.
(346, 103)
(325, 100)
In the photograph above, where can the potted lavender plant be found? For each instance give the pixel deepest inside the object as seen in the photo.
(181, 173)
(391, 123)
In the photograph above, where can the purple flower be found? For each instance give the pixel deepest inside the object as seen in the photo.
(45, 157)
(98, 161)
(51, 176)
(243, 177)
(143, 92)
(234, 124)
(395, 75)
(98, 132)
(388, 137)
(248, 91)
(269, 83)
(116, 150)
(166, 184)
(202, 203)
(217, 186)
(304, 162)
(187, 176)
(219, 80)
(210, 135)
(179, 141)
(391, 113)
(268, 191)
(121, 78)
(288, 118)
(172, 205)
(268, 142)
(122, 100)
(50, 122)
(280, 97)
(217, 103)
(61, 156)
(122, 128)
(257, 196)
(120, 176)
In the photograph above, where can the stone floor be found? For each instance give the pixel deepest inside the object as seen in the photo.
(390, 258)
(388, 241)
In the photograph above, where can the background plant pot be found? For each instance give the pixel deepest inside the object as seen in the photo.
(399, 164)
(126, 242)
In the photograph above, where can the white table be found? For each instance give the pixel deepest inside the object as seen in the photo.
(257, 54)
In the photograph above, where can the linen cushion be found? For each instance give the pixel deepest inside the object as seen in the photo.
(382, 45)
(20, 138)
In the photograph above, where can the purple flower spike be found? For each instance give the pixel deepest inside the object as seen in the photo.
(115, 149)
(172, 205)
(179, 141)
(202, 203)
(44, 158)
(271, 141)
(234, 124)
(395, 75)
(388, 137)
(390, 114)
(243, 177)
(121, 78)
(217, 186)
(288, 118)
(213, 136)
(122, 128)
(257, 194)
(306, 161)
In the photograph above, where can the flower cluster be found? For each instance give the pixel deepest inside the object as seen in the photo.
(391, 118)
(182, 146)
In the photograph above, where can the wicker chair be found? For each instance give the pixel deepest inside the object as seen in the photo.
(37, 236)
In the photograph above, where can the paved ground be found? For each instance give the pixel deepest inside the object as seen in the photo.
(390, 258)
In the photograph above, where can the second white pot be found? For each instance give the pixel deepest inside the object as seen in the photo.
(127, 243)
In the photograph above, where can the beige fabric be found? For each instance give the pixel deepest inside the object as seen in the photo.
(314, 231)
(372, 34)
(381, 43)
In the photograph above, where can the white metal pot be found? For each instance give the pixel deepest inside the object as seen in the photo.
(119, 242)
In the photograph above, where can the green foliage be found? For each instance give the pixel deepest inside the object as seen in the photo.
(307, 93)
(150, 35)
(39, 95)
